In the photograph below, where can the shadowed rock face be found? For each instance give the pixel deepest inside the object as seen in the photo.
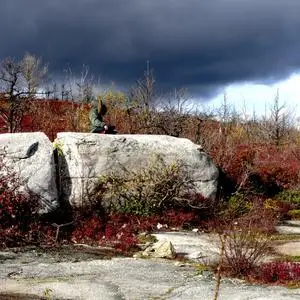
(85, 156)
(30, 157)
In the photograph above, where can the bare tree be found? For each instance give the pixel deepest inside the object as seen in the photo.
(173, 113)
(277, 126)
(34, 73)
(228, 119)
(142, 99)
(205, 134)
(81, 88)
(142, 94)
(10, 73)
(158, 113)
(19, 80)
(86, 85)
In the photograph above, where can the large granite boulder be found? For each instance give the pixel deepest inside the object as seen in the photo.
(84, 157)
(30, 157)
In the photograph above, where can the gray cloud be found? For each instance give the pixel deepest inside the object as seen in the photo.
(200, 44)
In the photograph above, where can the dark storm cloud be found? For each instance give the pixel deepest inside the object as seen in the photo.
(201, 44)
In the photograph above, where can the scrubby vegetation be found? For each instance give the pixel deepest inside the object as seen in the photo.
(279, 272)
(258, 158)
(152, 190)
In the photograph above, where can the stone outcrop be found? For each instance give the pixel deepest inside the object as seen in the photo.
(83, 157)
(30, 157)
(71, 172)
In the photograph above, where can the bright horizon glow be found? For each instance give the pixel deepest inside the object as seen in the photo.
(258, 98)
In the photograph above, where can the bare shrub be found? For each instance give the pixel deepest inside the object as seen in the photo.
(244, 248)
(248, 240)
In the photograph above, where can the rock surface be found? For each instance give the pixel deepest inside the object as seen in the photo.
(125, 278)
(289, 248)
(63, 276)
(30, 156)
(87, 156)
(161, 249)
(289, 227)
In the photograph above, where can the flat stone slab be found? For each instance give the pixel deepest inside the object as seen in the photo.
(231, 290)
(127, 278)
(288, 229)
(34, 274)
(292, 222)
(289, 248)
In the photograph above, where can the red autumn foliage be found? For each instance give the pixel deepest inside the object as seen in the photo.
(278, 165)
(278, 272)
(51, 116)
(121, 230)
(265, 166)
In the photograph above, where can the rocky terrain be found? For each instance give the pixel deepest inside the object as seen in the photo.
(82, 272)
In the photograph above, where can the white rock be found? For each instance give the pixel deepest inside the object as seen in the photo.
(30, 156)
(161, 249)
(87, 156)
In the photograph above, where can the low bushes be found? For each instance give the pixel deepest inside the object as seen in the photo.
(290, 196)
(289, 202)
(246, 239)
(152, 190)
(243, 250)
(121, 230)
(237, 206)
(259, 169)
(294, 214)
(278, 272)
(138, 203)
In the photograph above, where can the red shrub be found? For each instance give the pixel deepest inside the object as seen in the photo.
(116, 231)
(259, 218)
(262, 168)
(88, 230)
(180, 218)
(279, 272)
(121, 230)
(234, 160)
(279, 166)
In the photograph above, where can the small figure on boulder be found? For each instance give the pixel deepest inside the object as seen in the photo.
(96, 117)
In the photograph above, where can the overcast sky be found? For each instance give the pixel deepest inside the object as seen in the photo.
(206, 46)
